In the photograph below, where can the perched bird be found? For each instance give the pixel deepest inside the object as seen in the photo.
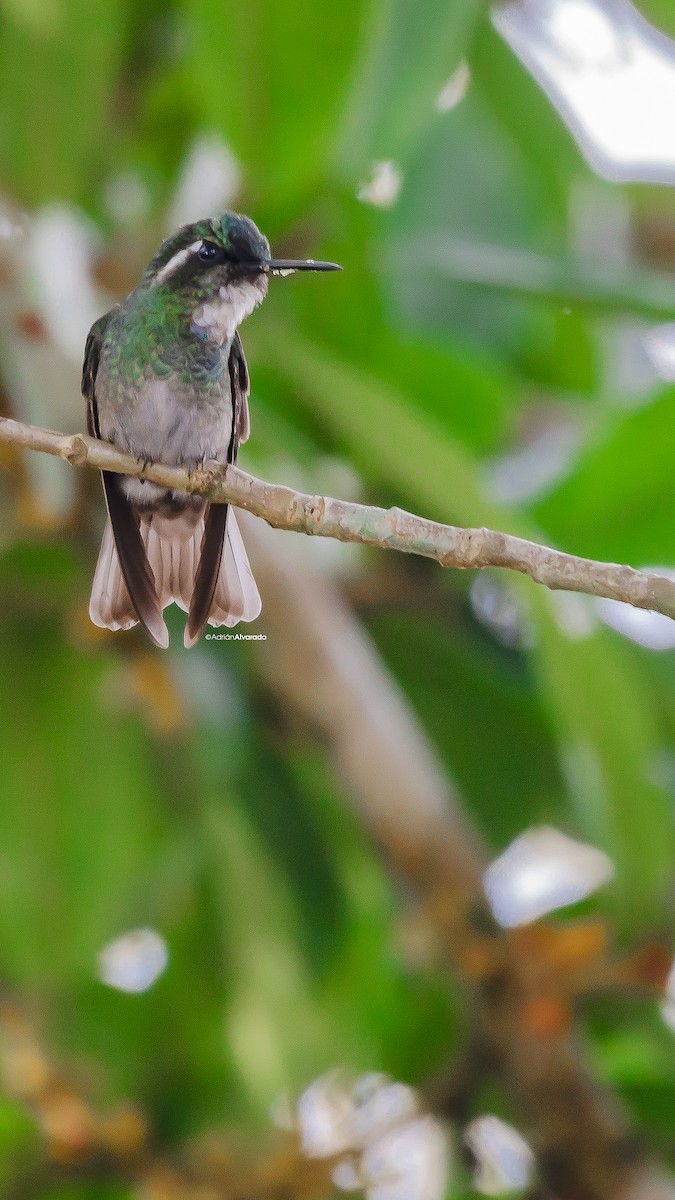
(165, 380)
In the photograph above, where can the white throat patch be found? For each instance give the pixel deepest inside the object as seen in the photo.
(223, 315)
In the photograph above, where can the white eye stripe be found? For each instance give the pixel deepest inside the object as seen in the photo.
(176, 261)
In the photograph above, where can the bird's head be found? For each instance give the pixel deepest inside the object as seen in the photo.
(225, 263)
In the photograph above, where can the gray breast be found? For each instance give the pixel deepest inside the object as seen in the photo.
(163, 421)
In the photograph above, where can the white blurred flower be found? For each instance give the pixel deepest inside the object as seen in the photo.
(338, 1111)
(390, 1151)
(59, 258)
(659, 345)
(504, 1161)
(409, 1162)
(209, 182)
(47, 305)
(325, 1116)
(380, 1103)
(540, 871)
(455, 89)
(383, 187)
(134, 961)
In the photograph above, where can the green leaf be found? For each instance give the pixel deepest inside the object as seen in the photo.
(270, 77)
(57, 81)
(528, 126)
(452, 382)
(610, 740)
(617, 503)
(69, 768)
(386, 436)
(409, 53)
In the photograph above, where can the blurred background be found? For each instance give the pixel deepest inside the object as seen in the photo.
(247, 945)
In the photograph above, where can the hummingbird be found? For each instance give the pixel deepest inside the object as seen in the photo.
(165, 380)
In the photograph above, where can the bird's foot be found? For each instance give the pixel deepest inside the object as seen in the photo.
(200, 474)
(194, 474)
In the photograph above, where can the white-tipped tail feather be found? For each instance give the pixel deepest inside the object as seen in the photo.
(173, 548)
(110, 606)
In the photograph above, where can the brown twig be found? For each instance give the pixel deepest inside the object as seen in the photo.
(393, 528)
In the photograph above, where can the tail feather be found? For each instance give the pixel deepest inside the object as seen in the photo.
(236, 597)
(110, 606)
(132, 559)
(206, 580)
(173, 546)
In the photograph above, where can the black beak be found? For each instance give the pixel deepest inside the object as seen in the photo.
(274, 265)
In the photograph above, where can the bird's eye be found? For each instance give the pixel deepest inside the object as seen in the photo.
(211, 253)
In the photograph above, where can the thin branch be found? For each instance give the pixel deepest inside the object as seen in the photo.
(393, 528)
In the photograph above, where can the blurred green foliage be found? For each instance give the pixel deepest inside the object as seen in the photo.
(230, 833)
